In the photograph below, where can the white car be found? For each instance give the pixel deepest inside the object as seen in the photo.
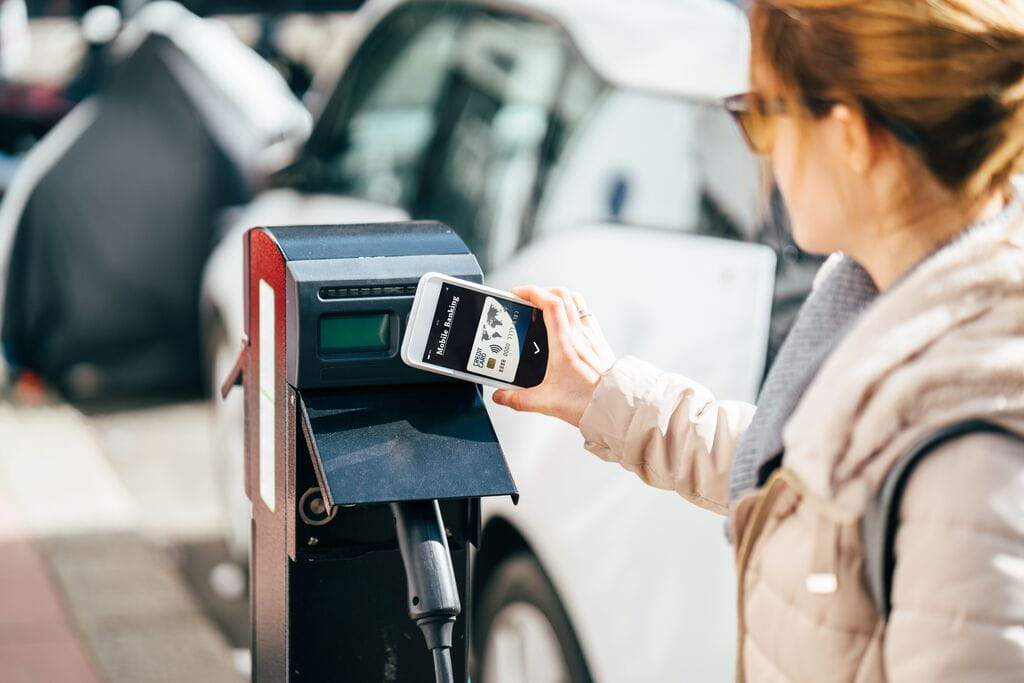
(569, 142)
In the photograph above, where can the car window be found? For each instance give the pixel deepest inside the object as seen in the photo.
(657, 161)
(372, 136)
(579, 92)
(448, 112)
(496, 116)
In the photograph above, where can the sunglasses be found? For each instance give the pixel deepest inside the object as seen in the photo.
(755, 115)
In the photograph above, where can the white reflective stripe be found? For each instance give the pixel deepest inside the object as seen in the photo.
(267, 398)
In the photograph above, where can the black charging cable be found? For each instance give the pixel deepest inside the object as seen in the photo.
(433, 591)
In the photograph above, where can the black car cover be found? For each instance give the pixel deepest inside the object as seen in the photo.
(103, 285)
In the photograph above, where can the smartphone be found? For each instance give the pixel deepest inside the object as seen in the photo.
(465, 330)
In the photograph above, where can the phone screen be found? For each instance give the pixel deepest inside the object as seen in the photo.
(488, 336)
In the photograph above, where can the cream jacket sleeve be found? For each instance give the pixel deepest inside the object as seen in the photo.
(667, 429)
(958, 588)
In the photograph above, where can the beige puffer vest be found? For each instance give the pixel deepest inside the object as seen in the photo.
(944, 345)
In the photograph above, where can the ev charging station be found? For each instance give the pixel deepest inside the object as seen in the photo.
(365, 475)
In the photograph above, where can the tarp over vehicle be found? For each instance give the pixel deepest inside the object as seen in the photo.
(102, 286)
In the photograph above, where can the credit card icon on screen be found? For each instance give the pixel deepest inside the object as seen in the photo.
(495, 351)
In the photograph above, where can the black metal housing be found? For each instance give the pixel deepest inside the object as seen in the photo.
(353, 432)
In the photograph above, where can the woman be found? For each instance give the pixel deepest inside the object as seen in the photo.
(894, 129)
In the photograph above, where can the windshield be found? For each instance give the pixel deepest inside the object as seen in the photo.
(493, 124)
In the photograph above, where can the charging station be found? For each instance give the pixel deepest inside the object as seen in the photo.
(365, 475)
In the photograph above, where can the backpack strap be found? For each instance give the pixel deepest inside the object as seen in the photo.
(882, 516)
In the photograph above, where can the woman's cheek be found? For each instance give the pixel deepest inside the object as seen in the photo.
(785, 174)
(797, 173)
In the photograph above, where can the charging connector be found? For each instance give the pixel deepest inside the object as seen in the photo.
(433, 592)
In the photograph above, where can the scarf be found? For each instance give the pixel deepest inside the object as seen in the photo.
(943, 345)
(823, 320)
(822, 323)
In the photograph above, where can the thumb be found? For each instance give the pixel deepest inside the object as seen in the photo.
(502, 396)
(510, 398)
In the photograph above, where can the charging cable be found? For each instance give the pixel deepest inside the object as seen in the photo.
(433, 591)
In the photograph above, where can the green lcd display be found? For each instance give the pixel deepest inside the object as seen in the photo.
(359, 332)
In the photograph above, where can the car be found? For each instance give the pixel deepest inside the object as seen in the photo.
(568, 142)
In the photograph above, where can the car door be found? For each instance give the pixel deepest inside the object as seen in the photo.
(675, 276)
(689, 304)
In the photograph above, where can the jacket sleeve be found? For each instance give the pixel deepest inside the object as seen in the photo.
(958, 586)
(667, 429)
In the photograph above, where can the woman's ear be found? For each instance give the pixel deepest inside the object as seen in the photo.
(857, 144)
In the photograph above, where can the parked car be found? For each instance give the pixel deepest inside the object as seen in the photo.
(579, 143)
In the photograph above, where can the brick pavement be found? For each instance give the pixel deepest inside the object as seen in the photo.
(38, 639)
(82, 596)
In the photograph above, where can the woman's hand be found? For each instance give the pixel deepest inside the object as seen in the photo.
(578, 355)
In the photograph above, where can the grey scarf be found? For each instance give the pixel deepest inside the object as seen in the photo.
(821, 324)
(819, 327)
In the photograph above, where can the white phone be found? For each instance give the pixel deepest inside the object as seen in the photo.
(465, 330)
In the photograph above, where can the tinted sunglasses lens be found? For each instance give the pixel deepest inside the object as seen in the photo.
(755, 123)
(758, 128)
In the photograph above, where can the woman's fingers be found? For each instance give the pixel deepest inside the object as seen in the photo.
(576, 337)
(572, 311)
(503, 397)
(538, 296)
(535, 400)
(577, 357)
(581, 304)
(560, 337)
(513, 398)
(584, 347)
(586, 316)
(593, 334)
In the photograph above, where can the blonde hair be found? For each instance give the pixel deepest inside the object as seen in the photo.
(945, 76)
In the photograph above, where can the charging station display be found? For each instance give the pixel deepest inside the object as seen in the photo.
(358, 332)
(487, 336)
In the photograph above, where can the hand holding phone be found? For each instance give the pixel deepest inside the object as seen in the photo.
(576, 353)
(476, 333)
(578, 356)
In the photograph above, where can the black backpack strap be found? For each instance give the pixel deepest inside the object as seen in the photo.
(882, 516)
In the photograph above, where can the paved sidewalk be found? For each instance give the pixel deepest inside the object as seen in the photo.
(82, 596)
(38, 639)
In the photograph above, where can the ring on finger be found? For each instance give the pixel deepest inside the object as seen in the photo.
(583, 313)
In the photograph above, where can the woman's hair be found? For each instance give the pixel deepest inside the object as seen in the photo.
(946, 77)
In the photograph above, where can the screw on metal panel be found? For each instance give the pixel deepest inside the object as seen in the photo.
(313, 508)
(317, 506)
(313, 540)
